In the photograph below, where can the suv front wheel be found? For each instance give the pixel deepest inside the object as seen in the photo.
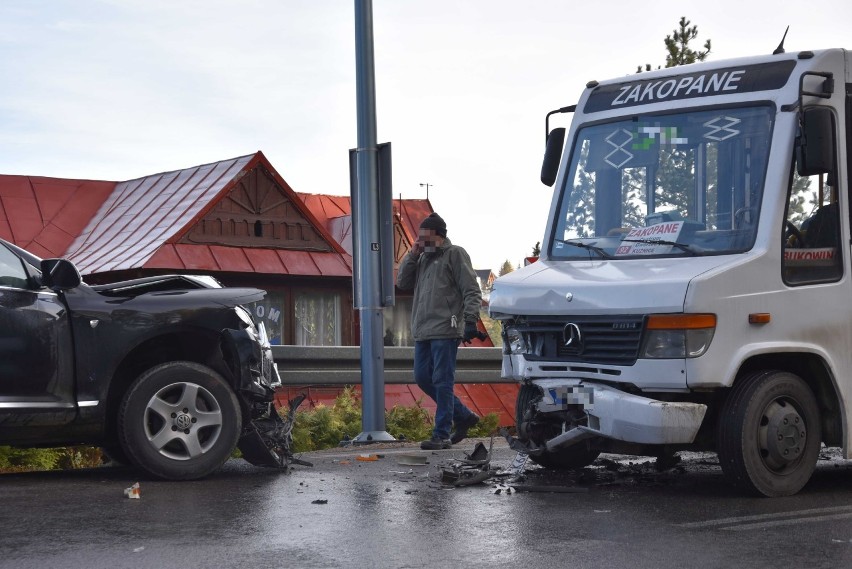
(179, 421)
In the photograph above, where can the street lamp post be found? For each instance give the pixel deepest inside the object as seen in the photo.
(367, 251)
(427, 185)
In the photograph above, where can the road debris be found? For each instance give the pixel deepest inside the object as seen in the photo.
(519, 464)
(367, 457)
(320, 502)
(475, 469)
(133, 492)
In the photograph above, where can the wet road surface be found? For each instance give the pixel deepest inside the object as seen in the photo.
(343, 512)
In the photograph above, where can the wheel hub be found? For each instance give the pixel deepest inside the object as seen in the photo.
(785, 434)
(183, 421)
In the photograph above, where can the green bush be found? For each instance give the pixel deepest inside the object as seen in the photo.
(326, 427)
(79, 457)
(409, 423)
(348, 408)
(63, 458)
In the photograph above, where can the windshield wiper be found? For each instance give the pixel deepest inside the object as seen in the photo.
(681, 246)
(586, 246)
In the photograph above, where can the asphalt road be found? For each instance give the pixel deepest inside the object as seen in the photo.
(344, 512)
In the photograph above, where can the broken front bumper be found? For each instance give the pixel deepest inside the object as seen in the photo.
(619, 415)
(266, 439)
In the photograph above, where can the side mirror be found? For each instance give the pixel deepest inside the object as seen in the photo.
(60, 274)
(552, 154)
(815, 144)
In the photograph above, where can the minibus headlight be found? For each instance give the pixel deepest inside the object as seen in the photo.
(670, 336)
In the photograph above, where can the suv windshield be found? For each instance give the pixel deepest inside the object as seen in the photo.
(664, 185)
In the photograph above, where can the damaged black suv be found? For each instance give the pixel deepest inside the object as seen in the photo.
(169, 373)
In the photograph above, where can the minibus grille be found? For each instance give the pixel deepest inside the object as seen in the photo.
(613, 340)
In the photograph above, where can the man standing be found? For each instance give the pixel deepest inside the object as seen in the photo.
(445, 310)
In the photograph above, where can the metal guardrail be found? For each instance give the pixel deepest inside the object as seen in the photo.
(341, 365)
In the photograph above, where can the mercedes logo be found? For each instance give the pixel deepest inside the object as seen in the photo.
(572, 337)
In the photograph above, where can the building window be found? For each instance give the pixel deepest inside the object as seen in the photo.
(317, 319)
(270, 311)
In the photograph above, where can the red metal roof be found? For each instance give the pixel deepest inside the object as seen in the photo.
(326, 207)
(44, 215)
(143, 214)
(141, 221)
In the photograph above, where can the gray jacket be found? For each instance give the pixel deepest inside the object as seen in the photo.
(446, 294)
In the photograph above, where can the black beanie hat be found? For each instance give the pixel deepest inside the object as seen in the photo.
(436, 223)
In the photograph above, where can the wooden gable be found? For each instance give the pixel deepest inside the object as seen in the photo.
(257, 212)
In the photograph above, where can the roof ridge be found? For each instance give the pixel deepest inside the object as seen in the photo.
(234, 159)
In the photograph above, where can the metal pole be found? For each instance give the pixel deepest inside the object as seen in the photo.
(366, 256)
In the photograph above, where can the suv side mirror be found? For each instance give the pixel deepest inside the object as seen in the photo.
(815, 143)
(60, 274)
(552, 154)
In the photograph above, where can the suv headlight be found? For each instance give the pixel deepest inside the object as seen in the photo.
(245, 316)
(674, 336)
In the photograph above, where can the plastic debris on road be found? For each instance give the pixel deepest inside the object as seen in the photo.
(133, 492)
(473, 470)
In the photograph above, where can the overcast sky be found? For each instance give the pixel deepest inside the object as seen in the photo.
(118, 89)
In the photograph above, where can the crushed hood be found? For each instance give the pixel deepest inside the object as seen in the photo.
(598, 287)
(192, 289)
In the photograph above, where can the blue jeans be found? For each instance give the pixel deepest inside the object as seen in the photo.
(435, 374)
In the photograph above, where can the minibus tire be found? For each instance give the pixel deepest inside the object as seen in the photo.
(768, 434)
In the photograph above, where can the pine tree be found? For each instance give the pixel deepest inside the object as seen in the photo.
(677, 46)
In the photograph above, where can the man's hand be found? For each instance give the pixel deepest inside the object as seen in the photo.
(417, 248)
(470, 332)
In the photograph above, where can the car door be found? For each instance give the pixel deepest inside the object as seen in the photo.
(36, 352)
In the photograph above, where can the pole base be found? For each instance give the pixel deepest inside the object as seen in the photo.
(370, 437)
